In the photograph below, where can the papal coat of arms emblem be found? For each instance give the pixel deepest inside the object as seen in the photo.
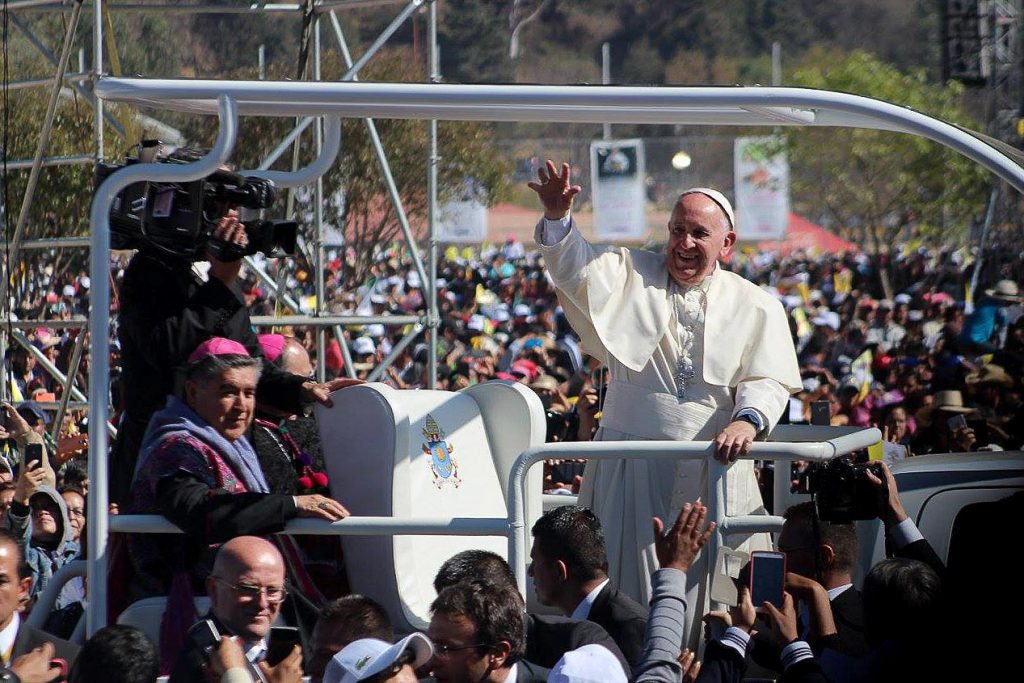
(442, 464)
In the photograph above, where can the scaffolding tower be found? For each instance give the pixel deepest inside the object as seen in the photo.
(318, 16)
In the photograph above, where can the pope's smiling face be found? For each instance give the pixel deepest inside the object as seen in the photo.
(698, 236)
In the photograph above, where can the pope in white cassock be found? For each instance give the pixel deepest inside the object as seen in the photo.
(695, 353)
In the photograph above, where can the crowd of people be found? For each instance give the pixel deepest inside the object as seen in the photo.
(215, 434)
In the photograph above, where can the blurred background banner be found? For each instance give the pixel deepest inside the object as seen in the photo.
(762, 188)
(618, 176)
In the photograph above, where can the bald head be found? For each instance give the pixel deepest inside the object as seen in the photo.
(295, 359)
(247, 573)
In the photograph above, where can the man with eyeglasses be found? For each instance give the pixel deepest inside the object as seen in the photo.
(246, 589)
(479, 635)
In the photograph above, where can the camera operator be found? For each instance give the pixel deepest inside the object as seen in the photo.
(166, 311)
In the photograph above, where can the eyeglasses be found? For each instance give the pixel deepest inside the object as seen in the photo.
(444, 650)
(76, 512)
(248, 592)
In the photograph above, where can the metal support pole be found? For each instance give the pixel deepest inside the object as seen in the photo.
(97, 70)
(382, 160)
(44, 137)
(346, 355)
(99, 329)
(606, 79)
(52, 58)
(318, 221)
(71, 160)
(378, 371)
(432, 162)
(45, 363)
(69, 383)
(989, 213)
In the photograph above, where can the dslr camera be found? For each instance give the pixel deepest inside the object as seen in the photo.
(843, 492)
(180, 218)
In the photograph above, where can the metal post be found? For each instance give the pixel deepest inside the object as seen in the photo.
(378, 371)
(976, 275)
(44, 136)
(346, 355)
(776, 64)
(606, 79)
(99, 331)
(97, 71)
(432, 162)
(69, 383)
(318, 222)
(382, 161)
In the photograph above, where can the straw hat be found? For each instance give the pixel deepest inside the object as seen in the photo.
(950, 401)
(1006, 290)
(990, 374)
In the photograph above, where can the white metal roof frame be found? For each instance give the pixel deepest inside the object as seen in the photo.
(603, 104)
(714, 106)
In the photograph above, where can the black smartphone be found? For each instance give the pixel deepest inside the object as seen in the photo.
(821, 413)
(767, 577)
(33, 454)
(283, 640)
(205, 635)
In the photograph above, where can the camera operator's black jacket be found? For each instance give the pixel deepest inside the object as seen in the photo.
(166, 312)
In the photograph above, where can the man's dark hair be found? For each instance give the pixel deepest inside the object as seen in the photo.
(474, 564)
(117, 654)
(75, 473)
(496, 610)
(902, 600)
(573, 534)
(840, 536)
(24, 571)
(357, 616)
(212, 367)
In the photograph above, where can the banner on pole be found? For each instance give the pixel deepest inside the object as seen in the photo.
(617, 177)
(762, 188)
(464, 218)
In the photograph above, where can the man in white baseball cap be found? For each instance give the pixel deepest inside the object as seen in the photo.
(376, 661)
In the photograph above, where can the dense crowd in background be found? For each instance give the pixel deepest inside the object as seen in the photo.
(893, 341)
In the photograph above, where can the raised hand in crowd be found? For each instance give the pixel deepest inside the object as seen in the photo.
(815, 597)
(743, 615)
(691, 665)
(289, 670)
(783, 621)
(226, 656)
(32, 476)
(317, 392)
(38, 666)
(554, 190)
(679, 546)
(320, 507)
(14, 425)
(893, 512)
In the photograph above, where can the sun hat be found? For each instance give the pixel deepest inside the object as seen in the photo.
(1006, 290)
(990, 374)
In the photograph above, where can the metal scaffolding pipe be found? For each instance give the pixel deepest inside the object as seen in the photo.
(44, 137)
(45, 363)
(99, 328)
(432, 162)
(329, 320)
(52, 243)
(177, 8)
(378, 371)
(38, 82)
(69, 384)
(22, 164)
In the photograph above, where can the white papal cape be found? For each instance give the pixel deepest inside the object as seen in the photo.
(623, 305)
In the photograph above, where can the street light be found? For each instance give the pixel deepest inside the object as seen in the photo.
(681, 160)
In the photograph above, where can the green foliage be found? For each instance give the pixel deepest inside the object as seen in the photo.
(877, 183)
(474, 38)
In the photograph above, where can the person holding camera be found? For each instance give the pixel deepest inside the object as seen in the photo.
(166, 311)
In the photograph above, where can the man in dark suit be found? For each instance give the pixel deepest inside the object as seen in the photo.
(16, 637)
(479, 636)
(246, 589)
(548, 637)
(570, 571)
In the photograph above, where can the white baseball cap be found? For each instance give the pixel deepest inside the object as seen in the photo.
(362, 659)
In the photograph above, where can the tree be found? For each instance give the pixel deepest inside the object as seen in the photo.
(875, 184)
